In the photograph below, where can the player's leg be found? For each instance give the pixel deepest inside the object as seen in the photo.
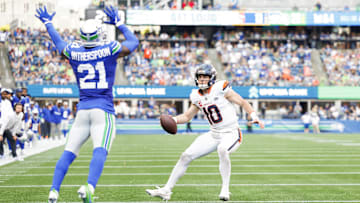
(203, 145)
(11, 141)
(229, 143)
(64, 125)
(102, 131)
(78, 135)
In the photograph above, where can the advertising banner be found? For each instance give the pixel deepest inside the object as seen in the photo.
(345, 93)
(175, 92)
(193, 17)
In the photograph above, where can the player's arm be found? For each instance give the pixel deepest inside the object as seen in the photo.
(46, 18)
(131, 42)
(234, 97)
(187, 115)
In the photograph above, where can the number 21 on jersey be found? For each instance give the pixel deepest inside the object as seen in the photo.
(85, 83)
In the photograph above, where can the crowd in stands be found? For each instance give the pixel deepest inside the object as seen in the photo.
(166, 62)
(266, 58)
(255, 64)
(34, 59)
(341, 66)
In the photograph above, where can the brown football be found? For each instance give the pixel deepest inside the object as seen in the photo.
(168, 124)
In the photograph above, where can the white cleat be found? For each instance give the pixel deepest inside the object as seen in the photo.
(18, 158)
(224, 196)
(53, 196)
(163, 193)
(86, 194)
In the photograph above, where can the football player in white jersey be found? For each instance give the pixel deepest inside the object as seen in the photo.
(216, 100)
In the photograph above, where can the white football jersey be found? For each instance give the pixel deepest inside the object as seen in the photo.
(219, 111)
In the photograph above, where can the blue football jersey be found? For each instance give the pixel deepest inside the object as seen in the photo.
(94, 69)
(65, 113)
(35, 125)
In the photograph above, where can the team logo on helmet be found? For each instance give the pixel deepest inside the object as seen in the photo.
(205, 69)
(91, 33)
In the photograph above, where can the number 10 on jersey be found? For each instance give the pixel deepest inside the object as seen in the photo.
(85, 83)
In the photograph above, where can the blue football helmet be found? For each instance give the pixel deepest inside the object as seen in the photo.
(205, 69)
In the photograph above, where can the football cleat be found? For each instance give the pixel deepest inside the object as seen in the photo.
(86, 194)
(224, 196)
(163, 193)
(53, 196)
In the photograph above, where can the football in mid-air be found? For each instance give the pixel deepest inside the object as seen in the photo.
(168, 124)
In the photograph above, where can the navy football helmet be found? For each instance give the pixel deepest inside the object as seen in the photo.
(205, 69)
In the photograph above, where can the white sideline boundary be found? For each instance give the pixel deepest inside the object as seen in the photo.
(196, 174)
(207, 166)
(251, 201)
(38, 147)
(190, 185)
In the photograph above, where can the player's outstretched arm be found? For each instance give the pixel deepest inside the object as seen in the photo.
(234, 97)
(131, 42)
(186, 116)
(46, 18)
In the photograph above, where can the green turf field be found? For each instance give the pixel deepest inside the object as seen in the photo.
(282, 168)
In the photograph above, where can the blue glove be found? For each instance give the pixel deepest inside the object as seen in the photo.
(113, 15)
(44, 16)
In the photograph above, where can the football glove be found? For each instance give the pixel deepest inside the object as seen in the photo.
(113, 15)
(44, 16)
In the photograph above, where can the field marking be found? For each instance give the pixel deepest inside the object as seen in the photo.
(240, 155)
(207, 166)
(198, 160)
(191, 185)
(163, 174)
(244, 201)
(349, 144)
(313, 139)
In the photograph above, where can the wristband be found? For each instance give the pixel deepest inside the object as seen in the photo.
(175, 119)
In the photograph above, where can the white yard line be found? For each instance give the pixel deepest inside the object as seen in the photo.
(198, 160)
(256, 201)
(208, 166)
(190, 185)
(237, 155)
(202, 174)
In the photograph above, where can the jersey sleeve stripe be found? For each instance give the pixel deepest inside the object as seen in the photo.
(116, 48)
(225, 85)
(66, 54)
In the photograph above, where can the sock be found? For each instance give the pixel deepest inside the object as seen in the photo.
(178, 171)
(64, 132)
(96, 165)
(225, 169)
(61, 169)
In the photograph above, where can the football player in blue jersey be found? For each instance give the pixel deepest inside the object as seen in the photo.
(94, 62)
(66, 114)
